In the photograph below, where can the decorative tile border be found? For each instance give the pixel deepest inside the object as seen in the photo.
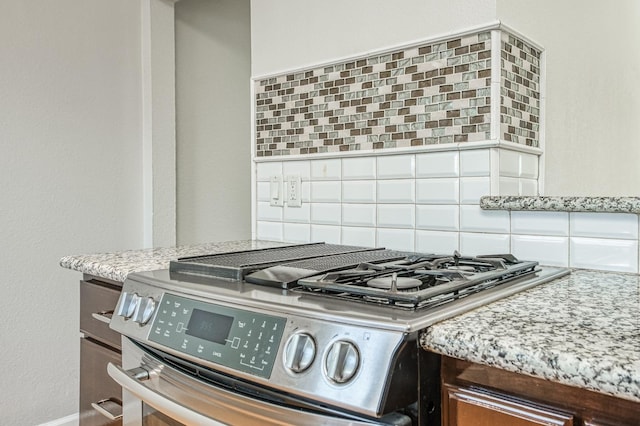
(433, 93)
(519, 91)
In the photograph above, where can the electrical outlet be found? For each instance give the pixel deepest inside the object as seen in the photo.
(294, 191)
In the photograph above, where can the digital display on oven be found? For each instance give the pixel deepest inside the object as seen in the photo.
(209, 326)
(240, 339)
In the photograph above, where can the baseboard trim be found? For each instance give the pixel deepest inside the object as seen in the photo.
(70, 420)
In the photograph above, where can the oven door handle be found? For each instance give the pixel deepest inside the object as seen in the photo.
(191, 402)
(133, 382)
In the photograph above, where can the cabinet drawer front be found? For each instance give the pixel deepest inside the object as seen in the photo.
(473, 408)
(97, 302)
(95, 384)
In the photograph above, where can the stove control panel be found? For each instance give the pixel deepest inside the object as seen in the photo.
(243, 340)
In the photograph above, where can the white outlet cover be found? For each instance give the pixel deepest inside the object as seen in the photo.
(294, 191)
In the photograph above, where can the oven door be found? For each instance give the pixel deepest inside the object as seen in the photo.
(155, 393)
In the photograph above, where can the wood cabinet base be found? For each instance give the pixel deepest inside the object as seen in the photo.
(478, 395)
(100, 396)
(96, 387)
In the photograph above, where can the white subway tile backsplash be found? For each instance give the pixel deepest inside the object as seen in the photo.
(396, 239)
(357, 236)
(359, 168)
(546, 250)
(604, 254)
(528, 187)
(604, 225)
(297, 168)
(437, 164)
(472, 188)
(540, 223)
(359, 215)
(306, 191)
(518, 164)
(475, 163)
(396, 215)
(509, 186)
(438, 217)
(359, 191)
(264, 171)
(474, 219)
(429, 202)
(529, 166)
(509, 163)
(300, 214)
(396, 166)
(327, 192)
(330, 169)
(269, 231)
(326, 213)
(268, 212)
(437, 242)
(396, 191)
(437, 191)
(297, 232)
(263, 191)
(325, 233)
(472, 244)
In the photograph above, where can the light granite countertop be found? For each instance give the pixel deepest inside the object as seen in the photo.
(580, 330)
(562, 204)
(117, 265)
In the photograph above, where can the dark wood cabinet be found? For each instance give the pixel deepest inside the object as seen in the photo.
(479, 395)
(100, 396)
(466, 407)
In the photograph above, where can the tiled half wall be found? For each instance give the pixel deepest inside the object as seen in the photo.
(464, 88)
(429, 202)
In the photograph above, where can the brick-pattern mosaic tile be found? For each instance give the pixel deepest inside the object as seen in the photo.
(519, 91)
(436, 93)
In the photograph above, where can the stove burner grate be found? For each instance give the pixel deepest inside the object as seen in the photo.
(435, 280)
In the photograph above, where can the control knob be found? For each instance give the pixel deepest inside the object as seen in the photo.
(300, 352)
(144, 310)
(342, 361)
(128, 304)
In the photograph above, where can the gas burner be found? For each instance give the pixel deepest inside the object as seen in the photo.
(394, 283)
(417, 281)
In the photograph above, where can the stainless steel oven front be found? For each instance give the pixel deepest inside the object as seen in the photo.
(157, 393)
(239, 354)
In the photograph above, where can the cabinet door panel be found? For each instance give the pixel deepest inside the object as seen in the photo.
(96, 385)
(98, 300)
(467, 407)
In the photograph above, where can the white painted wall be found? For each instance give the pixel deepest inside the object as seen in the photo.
(593, 95)
(290, 34)
(213, 107)
(70, 182)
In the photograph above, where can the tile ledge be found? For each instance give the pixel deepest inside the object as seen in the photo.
(562, 204)
(422, 149)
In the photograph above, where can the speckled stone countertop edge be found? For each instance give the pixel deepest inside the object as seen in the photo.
(562, 204)
(117, 266)
(574, 330)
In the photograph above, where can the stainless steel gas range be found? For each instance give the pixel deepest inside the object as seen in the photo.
(301, 334)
